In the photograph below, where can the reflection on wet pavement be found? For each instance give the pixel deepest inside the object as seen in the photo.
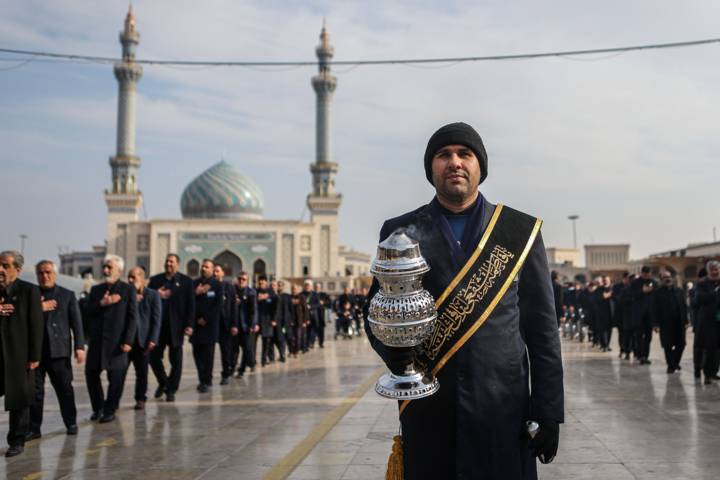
(623, 420)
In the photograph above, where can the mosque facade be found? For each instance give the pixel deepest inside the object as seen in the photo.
(222, 208)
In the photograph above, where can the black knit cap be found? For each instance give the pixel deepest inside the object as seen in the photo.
(456, 134)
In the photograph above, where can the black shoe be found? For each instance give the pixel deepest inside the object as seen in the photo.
(282, 359)
(697, 373)
(169, 397)
(107, 418)
(252, 369)
(32, 436)
(647, 362)
(608, 349)
(678, 367)
(199, 387)
(203, 388)
(239, 376)
(707, 381)
(627, 356)
(95, 416)
(72, 430)
(224, 381)
(322, 346)
(670, 370)
(12, 451)
(159, 391)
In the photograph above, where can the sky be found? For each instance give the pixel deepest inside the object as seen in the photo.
(627, 142)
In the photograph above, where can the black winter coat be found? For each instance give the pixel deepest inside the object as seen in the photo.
(229, 313)
(708, 300)
(267, 311)
(617, 306)
(22, 335)
(473, 426)
(208, 307)
(61, 322)
(181, 304)
(111, 326)
(603, 309)
(149, 318)
(641, 300)
(671, 321)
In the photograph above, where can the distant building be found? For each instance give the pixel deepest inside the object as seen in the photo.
(683, 263)
(222, 208)
(569, 257)
(610, 260)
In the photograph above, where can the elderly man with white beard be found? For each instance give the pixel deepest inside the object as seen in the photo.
(112, 309)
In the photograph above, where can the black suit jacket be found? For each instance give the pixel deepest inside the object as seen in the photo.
(181, 304)
(21, 343)
(65, 318)
(473, 425)
(229, 313)
(672, 327)
(208, 307)
(149, 318)
(111, 326)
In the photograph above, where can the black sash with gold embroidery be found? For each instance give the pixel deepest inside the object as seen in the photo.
(472, 296)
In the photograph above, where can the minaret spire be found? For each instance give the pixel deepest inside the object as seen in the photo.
(323, 202)
(124, 199)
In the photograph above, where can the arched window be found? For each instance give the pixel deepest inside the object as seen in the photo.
(306, 271)
(193, 268)
(231, 264)
(259, 269)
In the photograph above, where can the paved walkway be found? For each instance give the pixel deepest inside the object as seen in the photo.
(318, 418)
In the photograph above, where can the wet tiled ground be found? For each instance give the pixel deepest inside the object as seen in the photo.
(623, 420)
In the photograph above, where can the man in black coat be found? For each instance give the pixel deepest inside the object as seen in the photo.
(228, 325)
(208, 306)
(603, 312)
(669, 317)
(641, 289)
(285, 318)
(148, 332)
(618, 310)
(112, 311)
(267, 308)
(695, 312)
(707, 333)
(558, 293)
(474, 425)
(61, 315)
(627, 308)
(587, 300)
(178, 316)
(21, 333)
(248, 325)
(321, 300)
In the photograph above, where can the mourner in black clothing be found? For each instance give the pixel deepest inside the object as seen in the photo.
(321, 302)
(344, 298)
(247, 327)
(472, 427)
(695, 313)
(641, 289)
(618, 311)
(112, 307)
(178, 316)
(278, 337)
(299, 319)
(62, 317)
(148, 332)
(21, 336)
(603, 312)
(285, 318)
(587, 301)
(267, 307)
(669, 317)
(628, 345)
(208, 305)
(228, 325)
(707, 333)
(558, 294)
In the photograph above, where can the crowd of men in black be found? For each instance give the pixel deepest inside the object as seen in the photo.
(639, 305)
(134, 322)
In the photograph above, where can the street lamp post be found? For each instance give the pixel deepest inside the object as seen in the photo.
(573, 218)
(22, 245)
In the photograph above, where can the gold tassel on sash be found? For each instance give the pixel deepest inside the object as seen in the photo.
(396, 465)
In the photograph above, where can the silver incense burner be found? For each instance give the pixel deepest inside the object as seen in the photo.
(402, 313)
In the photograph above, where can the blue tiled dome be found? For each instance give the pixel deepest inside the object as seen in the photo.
(222, 191)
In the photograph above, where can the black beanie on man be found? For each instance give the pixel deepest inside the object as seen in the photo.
(456, 134)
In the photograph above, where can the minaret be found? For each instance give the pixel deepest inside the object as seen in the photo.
(323, 202)
(124, 199)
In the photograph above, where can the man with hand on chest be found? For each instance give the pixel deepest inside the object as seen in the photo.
(112, 311)
(61, 315)
(228, 325)
(208, 305)
(486, 341)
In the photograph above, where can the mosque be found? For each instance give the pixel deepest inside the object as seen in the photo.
(222, 208)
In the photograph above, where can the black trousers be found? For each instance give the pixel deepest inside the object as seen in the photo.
(253, 347)
(643, 337)
(19, 422)
(170, 383)
(140, 359)
(602, 331)
(227, 353)
(116, 380)
(673, 355)
(204, 355)
(316, 332)
(61, 376)
(244, 340)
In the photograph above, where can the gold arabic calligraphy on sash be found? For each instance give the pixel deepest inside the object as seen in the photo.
(465, 301)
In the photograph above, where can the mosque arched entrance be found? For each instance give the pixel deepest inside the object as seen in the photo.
(259, 269)
(231, 264)
(193, 268)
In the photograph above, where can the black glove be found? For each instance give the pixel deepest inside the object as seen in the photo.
(546, 440)
(397, 358)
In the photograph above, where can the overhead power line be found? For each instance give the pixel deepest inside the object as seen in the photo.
(94, 59)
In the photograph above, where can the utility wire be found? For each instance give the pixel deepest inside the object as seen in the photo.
(366, 62)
